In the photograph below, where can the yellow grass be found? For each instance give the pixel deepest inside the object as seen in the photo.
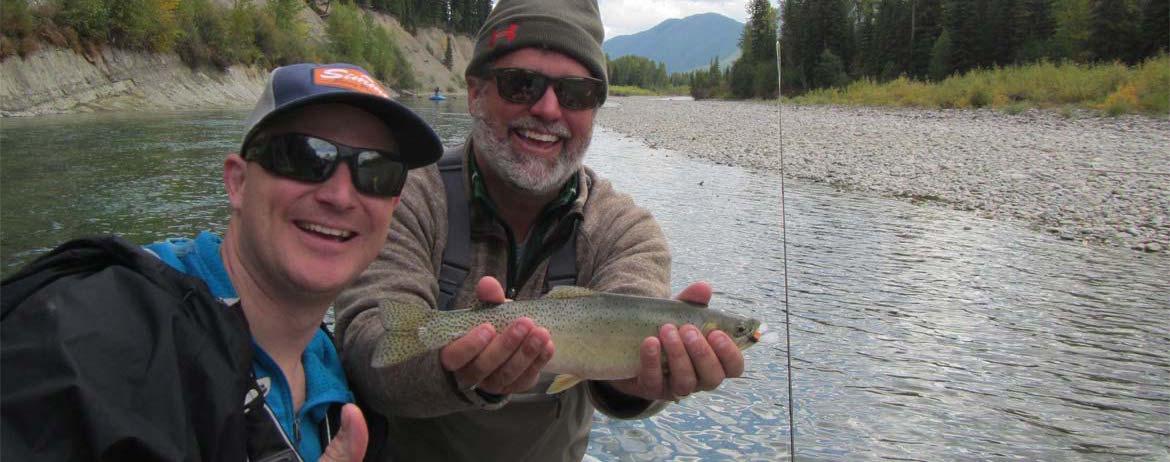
(630, 90)
(1112, 88)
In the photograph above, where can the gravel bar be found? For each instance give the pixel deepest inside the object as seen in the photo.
(1086, 178)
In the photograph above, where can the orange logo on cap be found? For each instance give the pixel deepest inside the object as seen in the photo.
(349, 79)
(506, 33)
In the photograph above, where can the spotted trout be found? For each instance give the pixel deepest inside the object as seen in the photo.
(597, 335)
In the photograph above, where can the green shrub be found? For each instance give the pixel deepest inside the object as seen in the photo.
(629, 90)
(346, 39)
(356, 37)
(1152, 84)
(979, 97)
(241, 33)
(278, 46)
(90, 18)
(203, 34)
(16, 21)
(143, 24)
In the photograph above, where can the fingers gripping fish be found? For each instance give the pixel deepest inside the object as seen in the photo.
(597, 334)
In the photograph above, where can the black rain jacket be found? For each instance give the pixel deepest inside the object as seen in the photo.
(110, 354)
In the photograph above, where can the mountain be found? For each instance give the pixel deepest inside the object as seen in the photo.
(683, 44)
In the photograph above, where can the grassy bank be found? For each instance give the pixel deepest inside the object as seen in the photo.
(630, 90)
(1111, 88)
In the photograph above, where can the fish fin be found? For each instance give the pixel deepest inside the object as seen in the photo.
(401, 341)
(562, 292)
(563, 382)
(708, 327)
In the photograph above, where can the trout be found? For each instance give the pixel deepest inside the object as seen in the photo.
(597, 335)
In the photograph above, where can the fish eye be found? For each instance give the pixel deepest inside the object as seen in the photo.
(740, 330)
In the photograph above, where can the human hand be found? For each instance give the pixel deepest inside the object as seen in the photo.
(499, 364)
(352, 438)
(695, 363)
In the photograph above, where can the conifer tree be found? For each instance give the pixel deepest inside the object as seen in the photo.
(1155, 26)
(962, 21)
(926, 27)
(1112, 30)
(940, 57)
(793, 36)
(1071, 35)
(714, 71)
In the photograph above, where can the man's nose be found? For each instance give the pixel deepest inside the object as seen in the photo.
(548, 107)
(338, 189)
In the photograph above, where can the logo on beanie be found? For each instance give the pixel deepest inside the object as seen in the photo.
(504, 33)
(349, 79)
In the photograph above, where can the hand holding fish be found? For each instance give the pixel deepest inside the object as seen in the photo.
(502, 363)
(695, 362)
(626, 340)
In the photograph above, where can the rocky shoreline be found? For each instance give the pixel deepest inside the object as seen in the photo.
(1085, 178)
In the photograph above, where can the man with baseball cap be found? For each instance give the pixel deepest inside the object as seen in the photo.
(515, 203)
(129, 359)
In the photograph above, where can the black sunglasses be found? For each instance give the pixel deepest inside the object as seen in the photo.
(310, 159)
(522, 86)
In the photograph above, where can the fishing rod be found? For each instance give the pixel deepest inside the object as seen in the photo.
(784, 240)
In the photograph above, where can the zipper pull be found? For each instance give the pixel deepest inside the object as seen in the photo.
(297, 430)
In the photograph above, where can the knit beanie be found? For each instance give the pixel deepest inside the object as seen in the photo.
(572, 27)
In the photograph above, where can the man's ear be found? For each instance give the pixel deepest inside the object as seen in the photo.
(474, 89)
(235, 169)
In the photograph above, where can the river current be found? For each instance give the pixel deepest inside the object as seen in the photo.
(918, 332)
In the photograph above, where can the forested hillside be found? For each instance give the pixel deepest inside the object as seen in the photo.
(1099, 54)
(830, 42)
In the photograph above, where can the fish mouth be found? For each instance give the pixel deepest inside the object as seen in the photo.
(758, 333)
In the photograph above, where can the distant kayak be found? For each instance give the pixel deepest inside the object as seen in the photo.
(438, 97)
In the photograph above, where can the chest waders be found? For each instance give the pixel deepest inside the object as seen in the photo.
(562, 264)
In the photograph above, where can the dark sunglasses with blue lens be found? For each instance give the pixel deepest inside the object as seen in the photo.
(523, 86)
(312, 159)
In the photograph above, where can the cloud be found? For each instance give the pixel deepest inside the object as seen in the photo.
(624, 17)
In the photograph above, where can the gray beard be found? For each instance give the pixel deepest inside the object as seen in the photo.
(526, 173)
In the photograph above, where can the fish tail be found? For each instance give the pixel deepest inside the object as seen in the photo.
(401, 341)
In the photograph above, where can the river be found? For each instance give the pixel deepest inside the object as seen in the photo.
(918, 332)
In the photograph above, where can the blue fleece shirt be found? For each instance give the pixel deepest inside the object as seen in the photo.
(324, 379)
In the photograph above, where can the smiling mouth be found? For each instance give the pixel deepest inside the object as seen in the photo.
(339, 235)
(538, 138)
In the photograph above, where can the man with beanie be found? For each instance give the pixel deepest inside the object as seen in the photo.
(515, 204)
(213, 348)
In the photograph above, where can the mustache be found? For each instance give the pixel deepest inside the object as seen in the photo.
(558, 128)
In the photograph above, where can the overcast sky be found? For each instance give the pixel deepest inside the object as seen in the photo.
(625, 17)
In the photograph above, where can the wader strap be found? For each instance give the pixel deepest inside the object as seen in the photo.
(457, 254)
(562, 265)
